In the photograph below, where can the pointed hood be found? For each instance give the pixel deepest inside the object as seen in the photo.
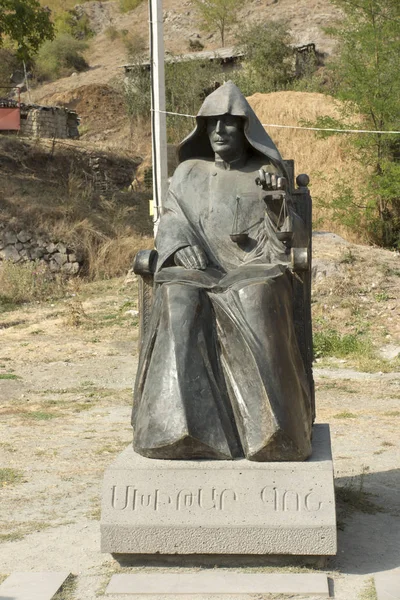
(228, 99)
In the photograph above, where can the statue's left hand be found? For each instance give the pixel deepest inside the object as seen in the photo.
(191, 257)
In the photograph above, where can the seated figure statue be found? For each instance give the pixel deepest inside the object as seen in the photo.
(220, 374)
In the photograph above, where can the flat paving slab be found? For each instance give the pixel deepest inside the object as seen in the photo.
(387, 585)
(241, 507)
(212, 582)
(32, 586)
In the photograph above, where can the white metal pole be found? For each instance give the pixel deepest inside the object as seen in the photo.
(159, 128)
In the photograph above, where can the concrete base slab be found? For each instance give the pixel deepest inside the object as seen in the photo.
(32, 586)
(214, 582)
(387, 585)
(240, 507)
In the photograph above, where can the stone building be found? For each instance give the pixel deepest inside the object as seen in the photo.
(39, 121)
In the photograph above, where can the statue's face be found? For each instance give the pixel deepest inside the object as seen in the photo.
(226, 136)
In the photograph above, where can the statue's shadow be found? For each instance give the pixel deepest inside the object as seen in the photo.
(369, 523)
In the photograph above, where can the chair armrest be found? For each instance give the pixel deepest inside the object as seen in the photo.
(145, 262)
(300, 259)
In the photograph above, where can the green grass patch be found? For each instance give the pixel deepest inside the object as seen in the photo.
(23, 529)
(6, 304)
(102, 320)
(333, 343)
(6, 446)
(111, 448)
(10, 477)
(39, 415)
(372, 364)
(68, 589)
(369, 591)
(348, 258)
(345, 415)
(338, 386)
(9, 376)
(392, 413)
(382, 297)
(13, 536)
(95, 511)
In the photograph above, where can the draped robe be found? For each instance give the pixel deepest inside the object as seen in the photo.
(220, 373)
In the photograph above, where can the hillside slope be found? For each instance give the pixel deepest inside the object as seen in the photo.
(307, 18)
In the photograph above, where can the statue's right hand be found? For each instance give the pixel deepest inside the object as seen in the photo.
(191, 257)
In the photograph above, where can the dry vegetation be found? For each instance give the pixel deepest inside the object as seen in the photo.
(104, 121)
(52, 189)
(323, 159)
(356, 311)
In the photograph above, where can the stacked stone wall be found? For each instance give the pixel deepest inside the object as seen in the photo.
(49, 123)
(22, 246)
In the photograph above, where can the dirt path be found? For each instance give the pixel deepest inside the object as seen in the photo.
(65, 396)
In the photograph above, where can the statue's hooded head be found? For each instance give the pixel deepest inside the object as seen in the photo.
(228, 99)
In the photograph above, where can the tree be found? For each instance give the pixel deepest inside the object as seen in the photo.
(268, 57)
(186, 85)
(60, 57)
(367, 75)
(218, 14)
(27, 24)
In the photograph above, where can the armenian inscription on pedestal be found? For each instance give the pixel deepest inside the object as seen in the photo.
(145, 501)
(234, 507)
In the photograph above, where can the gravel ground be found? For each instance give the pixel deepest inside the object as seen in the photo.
(66, 409)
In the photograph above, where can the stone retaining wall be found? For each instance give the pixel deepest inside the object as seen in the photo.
(24, 246)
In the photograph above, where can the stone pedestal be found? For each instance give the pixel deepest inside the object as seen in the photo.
(238, 507)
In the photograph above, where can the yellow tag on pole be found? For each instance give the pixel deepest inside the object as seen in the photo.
(151, 208)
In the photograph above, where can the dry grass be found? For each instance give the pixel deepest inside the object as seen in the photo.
(51, 190)
(28, 282)
(348, 301)
(323, 159)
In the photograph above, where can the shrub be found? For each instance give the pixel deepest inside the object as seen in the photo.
(195, 45)
(60, 57)
(269, 63)
(137, 92)
(74, 23)
(187, 83)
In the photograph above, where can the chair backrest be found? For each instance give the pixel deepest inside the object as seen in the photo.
(302, 281)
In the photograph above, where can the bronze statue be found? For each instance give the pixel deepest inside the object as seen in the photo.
(220, 373)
